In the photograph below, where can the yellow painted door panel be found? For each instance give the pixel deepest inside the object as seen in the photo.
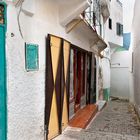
(66, 64)
(55, 44)
(53, 123)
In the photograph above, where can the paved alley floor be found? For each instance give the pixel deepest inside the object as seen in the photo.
(117, 121)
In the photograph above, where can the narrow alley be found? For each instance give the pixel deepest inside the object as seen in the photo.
(69, 70)
(117, 121)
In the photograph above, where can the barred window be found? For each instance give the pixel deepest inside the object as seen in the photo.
(119, 29)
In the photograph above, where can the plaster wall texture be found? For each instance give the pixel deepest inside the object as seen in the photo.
(120, 74)
(106, 73)
(128, 7)
(135, 48)
(26, 90)
(128, 20)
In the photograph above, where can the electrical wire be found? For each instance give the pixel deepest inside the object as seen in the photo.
(18, 19)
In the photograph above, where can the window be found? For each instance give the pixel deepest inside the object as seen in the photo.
(119, 29)
(110, 23)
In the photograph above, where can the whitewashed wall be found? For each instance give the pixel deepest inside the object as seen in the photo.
(116, 14)
(26, 89)
(120, 74)
(106, 73)
(128, 7)
(136, 56)
(127, 21)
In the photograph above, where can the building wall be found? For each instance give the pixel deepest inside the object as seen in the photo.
(116, 14)
(110, 35)
(106, 77)
(26, 91)
(136, 54)
(120, 74)
(128, 7)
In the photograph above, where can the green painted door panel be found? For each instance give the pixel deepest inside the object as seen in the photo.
(2, 85)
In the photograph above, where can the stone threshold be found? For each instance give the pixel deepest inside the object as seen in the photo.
(83, 117)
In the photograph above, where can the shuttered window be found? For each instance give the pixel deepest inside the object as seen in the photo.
(119, 29)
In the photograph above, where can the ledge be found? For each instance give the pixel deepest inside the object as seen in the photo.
(69, 10)
(97, 44)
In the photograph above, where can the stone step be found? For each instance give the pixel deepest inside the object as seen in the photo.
(83, 117)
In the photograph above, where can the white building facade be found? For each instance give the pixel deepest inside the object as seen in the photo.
(114, 36)
(32, 24)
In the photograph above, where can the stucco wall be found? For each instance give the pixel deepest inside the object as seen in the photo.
(26, 89)
(120, 74)
(128, 7)
(106, 77)
(136, 55)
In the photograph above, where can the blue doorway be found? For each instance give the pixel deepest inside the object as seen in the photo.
(3, 115)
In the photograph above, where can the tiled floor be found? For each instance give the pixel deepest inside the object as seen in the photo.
(117, 121)
(83, 116)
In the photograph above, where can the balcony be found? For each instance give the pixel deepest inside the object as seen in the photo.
(70, 10)
(72, 20)
(92, 14)
(105, 9)
(97, 44)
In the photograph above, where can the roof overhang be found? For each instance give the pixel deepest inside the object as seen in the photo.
(97, 44)
(71, 9)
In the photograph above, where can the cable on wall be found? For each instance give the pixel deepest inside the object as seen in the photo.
(18, 19)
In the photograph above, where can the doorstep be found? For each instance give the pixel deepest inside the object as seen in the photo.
(83, 117)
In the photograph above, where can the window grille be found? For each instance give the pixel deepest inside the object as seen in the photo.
(92, 14)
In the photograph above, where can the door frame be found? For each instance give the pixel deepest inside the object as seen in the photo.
(84, 55)
(4, 100)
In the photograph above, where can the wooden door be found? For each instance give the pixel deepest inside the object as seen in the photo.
(53, 91)
(79, 85)
(75, 79)
(88, 85)
(57, 85)
(93, 80)
(2, 78)
(65, 95)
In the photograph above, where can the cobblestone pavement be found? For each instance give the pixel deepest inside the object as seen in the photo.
(117, 121)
